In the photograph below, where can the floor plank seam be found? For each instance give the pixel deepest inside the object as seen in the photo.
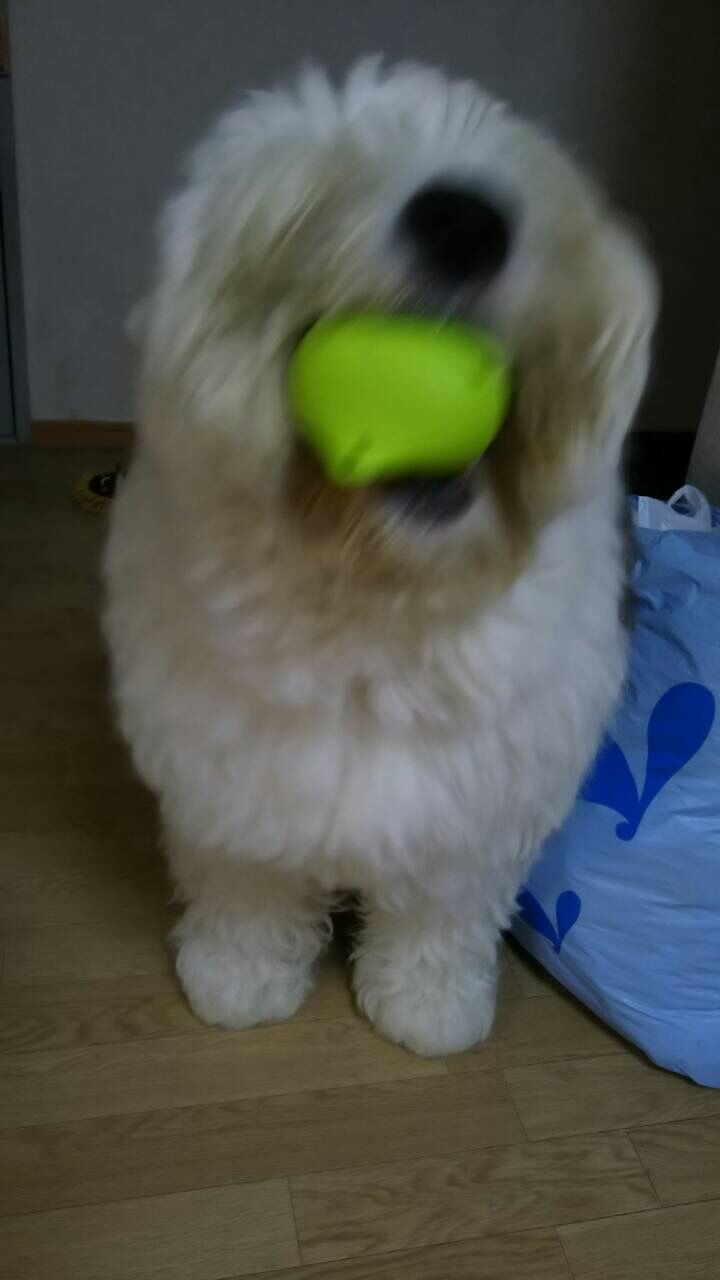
(155, 1195)
(293, 1215)
(515, 1108)
(455, 1153)
(382, 1254)
(648, 1174)
(542, 1062)
(210, 1102)
(608, 1129)
(204, 1031)
(191, 1033)
(620, 1052)
(568, 1264)
(450, 1155)
(645, 1213)
(623, 1126)
(279, 1176)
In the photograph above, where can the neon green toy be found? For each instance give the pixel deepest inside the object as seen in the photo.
(381, 397)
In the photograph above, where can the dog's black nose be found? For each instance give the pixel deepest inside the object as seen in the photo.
(460, 234)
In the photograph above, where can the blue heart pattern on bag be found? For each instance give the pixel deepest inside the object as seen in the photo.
(678, 726)
(567, 912)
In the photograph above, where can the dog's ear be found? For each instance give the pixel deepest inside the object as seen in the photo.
(205, 357)
(581, 374)
(623, 279)
(175, 314)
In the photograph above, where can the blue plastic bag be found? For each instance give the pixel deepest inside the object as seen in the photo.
(623, 905)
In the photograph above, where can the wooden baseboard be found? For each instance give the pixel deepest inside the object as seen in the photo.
(49, 433)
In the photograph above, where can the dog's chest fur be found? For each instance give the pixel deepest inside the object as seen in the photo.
(356, 759)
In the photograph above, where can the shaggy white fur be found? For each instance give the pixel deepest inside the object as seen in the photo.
(324, 694)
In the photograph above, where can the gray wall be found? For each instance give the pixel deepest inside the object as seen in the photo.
(109, 93)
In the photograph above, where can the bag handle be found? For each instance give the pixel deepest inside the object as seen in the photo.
(687, 509)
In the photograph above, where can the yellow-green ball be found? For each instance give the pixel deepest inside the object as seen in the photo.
(378, 397)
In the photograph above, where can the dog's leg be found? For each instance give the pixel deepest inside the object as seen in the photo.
(426, 976)
(247, 943)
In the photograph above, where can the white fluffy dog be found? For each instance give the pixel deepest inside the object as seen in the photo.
(394, 691)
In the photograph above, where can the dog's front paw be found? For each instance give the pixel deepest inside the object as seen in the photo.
(231, 987)
(428, 1008)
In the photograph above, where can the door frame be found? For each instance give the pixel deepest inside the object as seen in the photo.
(12, 302)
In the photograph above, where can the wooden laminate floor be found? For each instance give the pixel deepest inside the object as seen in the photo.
(137, 1143)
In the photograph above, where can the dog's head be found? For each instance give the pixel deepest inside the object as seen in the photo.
(402, 190)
